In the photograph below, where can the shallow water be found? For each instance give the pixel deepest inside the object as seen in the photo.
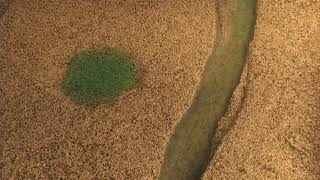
(190, 148)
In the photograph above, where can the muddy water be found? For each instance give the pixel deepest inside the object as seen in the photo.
(190, 147)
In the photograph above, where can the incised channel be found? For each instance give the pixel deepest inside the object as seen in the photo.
(191, 147)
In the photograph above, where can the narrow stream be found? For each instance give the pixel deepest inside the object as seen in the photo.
(190, 147)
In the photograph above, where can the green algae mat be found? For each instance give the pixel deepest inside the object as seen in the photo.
(190, 147)
(99, 76)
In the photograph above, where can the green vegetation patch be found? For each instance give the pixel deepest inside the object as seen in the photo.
(99, 76)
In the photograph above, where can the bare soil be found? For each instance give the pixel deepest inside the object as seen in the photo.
(46, 135)
(277, 125)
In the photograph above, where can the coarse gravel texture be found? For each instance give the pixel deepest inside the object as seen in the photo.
(45, 135)
(276, 131)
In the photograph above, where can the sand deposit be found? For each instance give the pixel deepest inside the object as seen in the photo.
(46, 135)
(276, 135)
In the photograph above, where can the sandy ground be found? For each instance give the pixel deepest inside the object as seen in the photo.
(45, 135)
(277, 125)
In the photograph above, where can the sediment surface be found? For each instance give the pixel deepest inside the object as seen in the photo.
(46, 135)
(189, 150)
(276, 131)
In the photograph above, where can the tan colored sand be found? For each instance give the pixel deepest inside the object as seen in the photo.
(45, 135)
(276, 132)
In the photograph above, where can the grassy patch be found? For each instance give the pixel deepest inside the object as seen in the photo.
(99, 76)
